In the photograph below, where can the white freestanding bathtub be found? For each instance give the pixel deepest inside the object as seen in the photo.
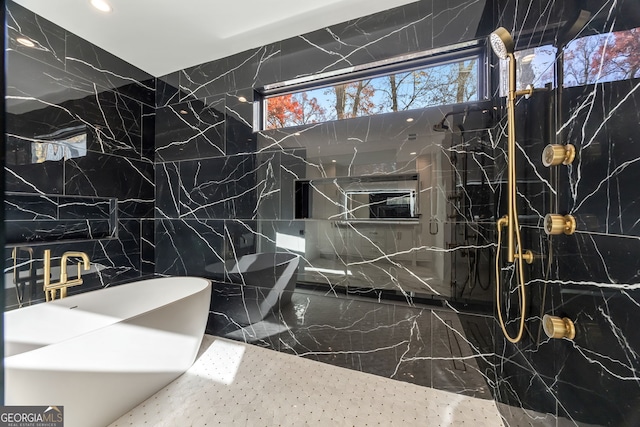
(101, 353)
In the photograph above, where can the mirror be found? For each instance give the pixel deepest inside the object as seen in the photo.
(362, 198)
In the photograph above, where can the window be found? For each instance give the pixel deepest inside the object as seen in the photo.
(535, 66)
(602, 58)
(451, 82)
(587, 60)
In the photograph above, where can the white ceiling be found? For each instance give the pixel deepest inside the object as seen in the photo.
(162, 36)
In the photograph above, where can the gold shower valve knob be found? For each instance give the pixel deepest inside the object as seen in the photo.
(556, 154)
(555, 224)
(556, 327)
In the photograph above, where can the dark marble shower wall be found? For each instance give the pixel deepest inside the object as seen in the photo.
(227, 191)
(223, 191)
(79, 155)
(591, 276)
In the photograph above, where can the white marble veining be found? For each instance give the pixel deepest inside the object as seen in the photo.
(220, 190)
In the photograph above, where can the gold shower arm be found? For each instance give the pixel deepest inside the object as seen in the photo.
(527, 92)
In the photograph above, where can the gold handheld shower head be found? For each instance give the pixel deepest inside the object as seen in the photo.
(502, 43)
(503, 46)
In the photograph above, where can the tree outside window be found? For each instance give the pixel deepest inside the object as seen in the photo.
(442, 84)
(602, 58)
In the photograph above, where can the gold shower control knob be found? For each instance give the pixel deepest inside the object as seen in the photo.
(556, 327)
(556, 154)
(555, 224)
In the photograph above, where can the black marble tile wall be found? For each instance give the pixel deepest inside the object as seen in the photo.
(456, 21)
(35, 218)
(223, 187)
(240, 137)
(590, 276)
(193, 129)
(49, 39)
(168, 89)
(148, 133)
(80, 128)
(186, 247)
(130, 181)
(91, 63)
(225, 190)
(197, 184)
(252, 68)
(368, 39)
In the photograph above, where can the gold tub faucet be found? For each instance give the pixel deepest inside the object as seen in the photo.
(50, 289)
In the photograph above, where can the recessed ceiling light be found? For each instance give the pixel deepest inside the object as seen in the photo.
(242, 99)
(333, 161)
(25, 42)
(410, 119)
(101, 5)
(413, 153)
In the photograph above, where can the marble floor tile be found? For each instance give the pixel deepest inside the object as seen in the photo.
(419, 345)
(463, 359)
(237, 384)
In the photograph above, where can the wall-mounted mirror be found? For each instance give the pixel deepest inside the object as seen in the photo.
(359, 198)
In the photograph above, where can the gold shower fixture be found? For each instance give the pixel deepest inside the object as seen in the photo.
(557, 154)
(553, 155)
(555, 224)
(556, 327)
(502, 43)
(503, 46)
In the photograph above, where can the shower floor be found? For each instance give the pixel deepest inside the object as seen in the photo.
(401, 276)
(237, 384)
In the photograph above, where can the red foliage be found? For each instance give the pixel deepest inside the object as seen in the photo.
(283, 111)
(603, 57)
(620, 55)
(293, 110)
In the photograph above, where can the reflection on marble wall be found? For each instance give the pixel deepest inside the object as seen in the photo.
(78, 173)
(224, 191)
(428, 347)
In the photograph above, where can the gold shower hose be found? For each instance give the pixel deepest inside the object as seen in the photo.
(520, 273)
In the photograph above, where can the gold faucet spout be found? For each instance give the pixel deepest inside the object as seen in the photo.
(50, 289)
(63, 264)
